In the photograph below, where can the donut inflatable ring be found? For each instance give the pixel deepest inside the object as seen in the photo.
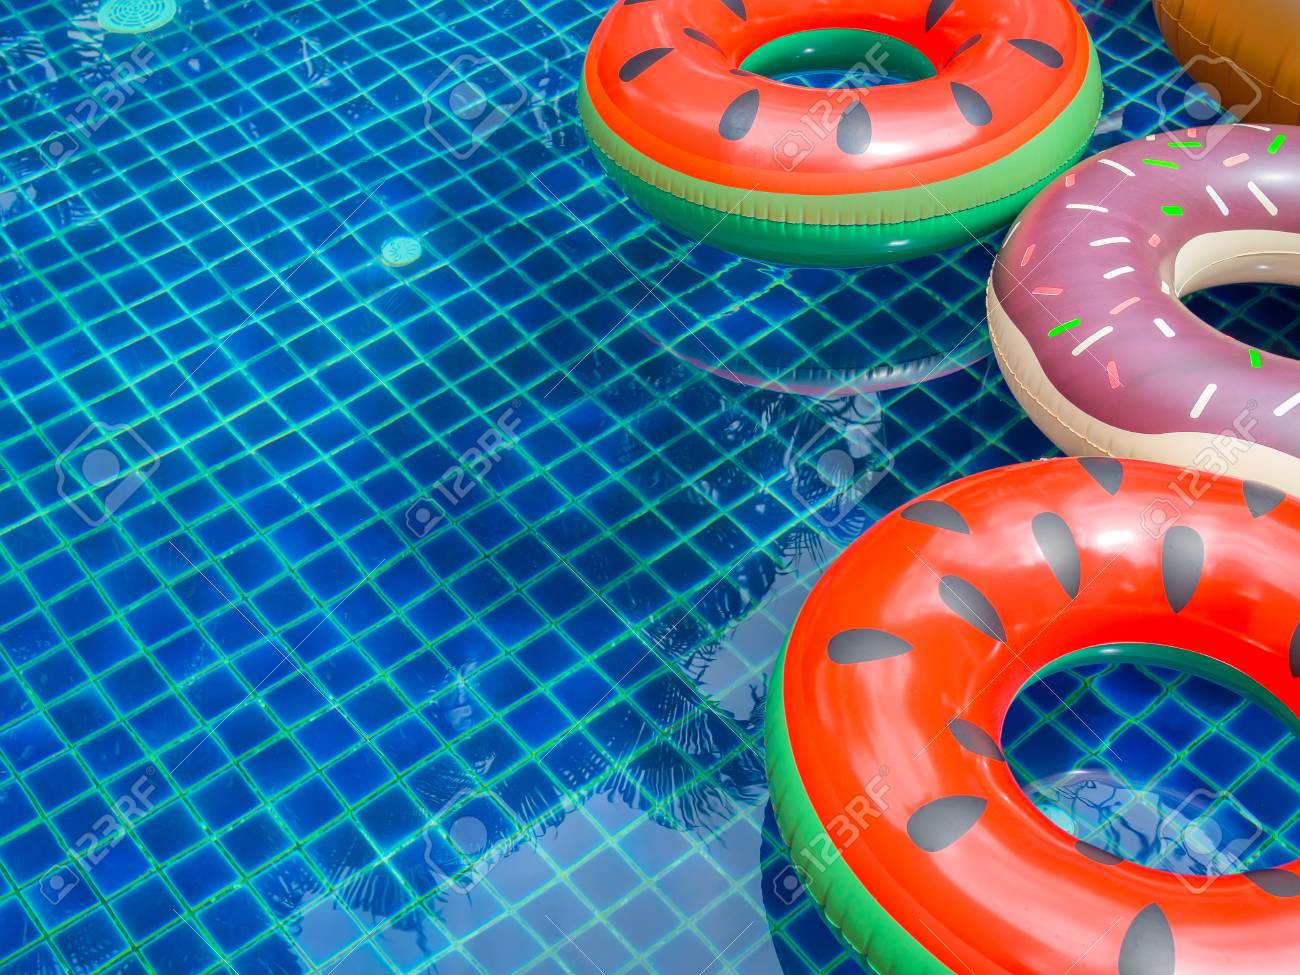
(1247, 53)
(1085, 315)
(682, 102)
(886, 710)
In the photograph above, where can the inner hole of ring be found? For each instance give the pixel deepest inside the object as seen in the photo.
(1162, 757)
(839, 58)
(1245, 283)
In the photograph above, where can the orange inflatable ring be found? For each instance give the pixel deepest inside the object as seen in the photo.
(1246, 53)
(884, 717)
(682, 103)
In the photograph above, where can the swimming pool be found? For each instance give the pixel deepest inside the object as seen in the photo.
(398, 529)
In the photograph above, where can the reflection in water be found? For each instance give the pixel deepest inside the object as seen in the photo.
(1202, 833)
(830, 379)
(785, 899)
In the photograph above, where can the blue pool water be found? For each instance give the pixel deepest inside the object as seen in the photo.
(392, 564)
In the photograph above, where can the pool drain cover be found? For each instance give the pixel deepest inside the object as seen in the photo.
(135, 16)
(399, 251)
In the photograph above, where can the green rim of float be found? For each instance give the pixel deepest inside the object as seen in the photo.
(850, 229)
(830, 48)
(845, 902)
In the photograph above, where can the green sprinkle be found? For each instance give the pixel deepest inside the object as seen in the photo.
(1064, 327)
(1161, 162)
(1277, 144)
(1192, 144)
(1172, 210)
(1254, 359)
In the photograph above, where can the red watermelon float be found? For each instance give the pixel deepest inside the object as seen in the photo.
(903, 665)
(684, 103)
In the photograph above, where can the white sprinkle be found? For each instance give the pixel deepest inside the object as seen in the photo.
(1117, 272)
(1203, 400)
(1288, 406)
(1268, 204)
(1218, 200)
(1164, 328)
(1114, 165)
(1164, 287)
(1110, 240)
(1262, 128)
(1086, 206)
(1096, 336)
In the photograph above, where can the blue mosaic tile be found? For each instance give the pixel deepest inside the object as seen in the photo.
(385, 744)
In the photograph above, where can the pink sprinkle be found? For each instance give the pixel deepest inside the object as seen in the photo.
(1069, 179)
(1112, 371)
(1050, 292)
(1125, 304)
(1237, 160)
(1154, 240)
(1191, 133)
(1029, 253)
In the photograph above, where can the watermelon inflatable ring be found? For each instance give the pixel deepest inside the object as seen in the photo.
(683, 102)
(886, 710)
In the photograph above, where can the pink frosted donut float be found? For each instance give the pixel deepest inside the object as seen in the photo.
(1085, 315)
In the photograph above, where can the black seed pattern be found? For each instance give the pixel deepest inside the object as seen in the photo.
(1295, 652)
(634, 66)
(1148, 947)
(853, 133)
(974, 109)
(1278, 883)
(1056, 542)
(1182, 556)
(1038, 50)
(936, 10)
(1106, 471)
(1262, 498)
(1098, 855)
(737, 7)
(971, 605)
(862, 646)
(703, 38)
(975, 739)
(965, 46)
(936, 514)
(941, 823)
(739, 116)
